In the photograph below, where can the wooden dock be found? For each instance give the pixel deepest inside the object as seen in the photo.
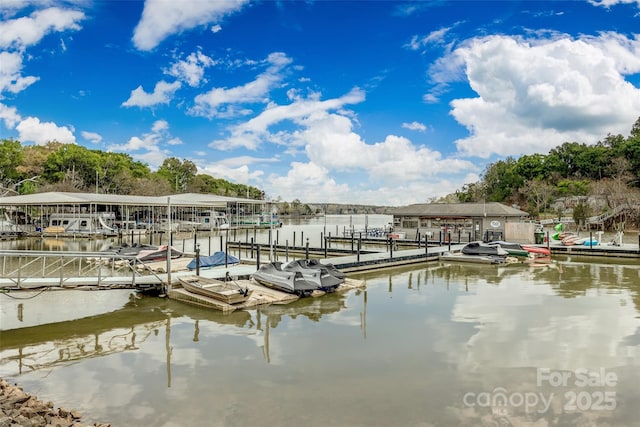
(261, 295)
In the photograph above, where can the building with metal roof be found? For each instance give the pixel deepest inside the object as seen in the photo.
(35, 208)
(463, 221)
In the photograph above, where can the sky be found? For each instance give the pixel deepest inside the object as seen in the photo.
(363, 102)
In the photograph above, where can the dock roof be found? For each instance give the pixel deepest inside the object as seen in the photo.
(65, 198)
(459, 210)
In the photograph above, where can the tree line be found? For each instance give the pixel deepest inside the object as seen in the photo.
(73, 168)
(608, 170)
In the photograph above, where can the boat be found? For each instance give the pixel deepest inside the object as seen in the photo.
(315, 263)
(319, 274)
(294, 282)
(484, 249)
(572, 239)
(513, 249)
(523, 251)
(207, 220)
(217, 259)
(538, 251)
(158, 253)
(101, 223)
(478, 252)
(9, 229)
(131, 250)
(221, 290)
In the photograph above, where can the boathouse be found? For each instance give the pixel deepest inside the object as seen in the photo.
(33, 212)
(464, 221)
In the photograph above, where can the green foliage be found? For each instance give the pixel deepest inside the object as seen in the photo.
(501, 180)
(179, 174)
(568, 187)
(11, 157)
(581, 212)
(530, 167)
(69, 167)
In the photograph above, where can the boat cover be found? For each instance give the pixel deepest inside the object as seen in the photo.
(214, 260)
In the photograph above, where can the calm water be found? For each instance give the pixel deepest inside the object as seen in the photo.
(431, 345)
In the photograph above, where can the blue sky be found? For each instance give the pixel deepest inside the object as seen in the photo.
(371, 102)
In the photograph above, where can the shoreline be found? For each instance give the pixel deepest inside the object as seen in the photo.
(20, 408)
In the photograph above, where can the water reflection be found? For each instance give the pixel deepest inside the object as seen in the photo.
(405, 351)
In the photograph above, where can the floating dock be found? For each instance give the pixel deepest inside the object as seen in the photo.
(261, 295)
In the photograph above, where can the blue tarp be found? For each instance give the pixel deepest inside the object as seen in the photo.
(213, 261)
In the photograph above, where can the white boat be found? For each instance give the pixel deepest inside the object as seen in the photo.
(207, 220)
(81, 223)
(9, 229)
(221, 290)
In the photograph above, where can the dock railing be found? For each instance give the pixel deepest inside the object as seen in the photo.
(62, 267)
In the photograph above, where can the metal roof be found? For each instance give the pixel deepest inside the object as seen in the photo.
(63, 198)
(459, 210)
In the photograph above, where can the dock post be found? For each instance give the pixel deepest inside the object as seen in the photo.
(132, 237)
(197, 259)
(258, 257)
(221, 247)
(426, 244)
(226, 254)
(294, 239)
(390, 247)
(302, 237)
(590, 239)
(251, 248)
(449, 241)
(358, 251)
(286, 250)
(209, 244)
(306, 251)
(325, 248)
(352, 241)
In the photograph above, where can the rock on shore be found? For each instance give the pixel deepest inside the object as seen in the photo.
(21, 409)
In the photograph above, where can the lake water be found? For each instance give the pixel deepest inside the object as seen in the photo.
(427, 345)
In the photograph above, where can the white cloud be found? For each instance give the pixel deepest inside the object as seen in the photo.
(436, 37)
(17, 34)
(147, 148)
(162, 18)
(162, 94)
(609, 3)
(9, 115)
(234, 170)
(322, 131)
(420, 127)
(192, 69)
(221, 102)
(32, 130)
(23, 32)
(92, 137)
(11, 79)
(534, 95)
(251, 133)
(312, 176)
